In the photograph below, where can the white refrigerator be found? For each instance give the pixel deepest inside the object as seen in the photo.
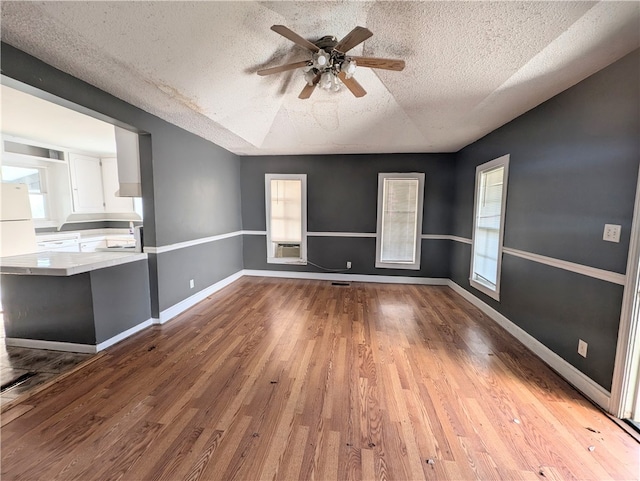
(17, 232)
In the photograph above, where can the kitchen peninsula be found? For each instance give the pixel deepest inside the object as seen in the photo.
(74, 301)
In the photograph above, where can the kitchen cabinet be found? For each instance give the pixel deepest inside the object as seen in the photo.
(62, 242)
(92, 245)
(76, 242)
(74, 301)
(86, 183)
(62, 245)
(94, 183)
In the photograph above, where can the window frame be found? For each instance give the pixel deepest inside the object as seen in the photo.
(382, 176)
(502, 161)
(302, 260)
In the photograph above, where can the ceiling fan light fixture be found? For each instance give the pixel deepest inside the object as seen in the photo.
(348, 66)
(335, 83)
(320, 60)
(309, 76)
(327, 80)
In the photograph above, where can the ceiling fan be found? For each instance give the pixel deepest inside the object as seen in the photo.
(329, 65)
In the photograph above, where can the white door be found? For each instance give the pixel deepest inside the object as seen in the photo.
(110, 185)
(86, 183)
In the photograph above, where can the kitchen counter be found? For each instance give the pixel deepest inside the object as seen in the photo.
(65, 263)
(74, 301)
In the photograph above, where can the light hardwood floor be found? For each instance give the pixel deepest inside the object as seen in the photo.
(302, 380)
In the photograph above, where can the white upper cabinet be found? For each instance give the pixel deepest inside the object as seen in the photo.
(94, 183)
(86, 183)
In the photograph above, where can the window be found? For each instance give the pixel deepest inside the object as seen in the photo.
(137, 207)
(34, 177)
(488, 226)
(286, 208)
(400, 200)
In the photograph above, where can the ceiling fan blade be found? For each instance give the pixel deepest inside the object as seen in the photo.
(308, 89)
(283, 68)
(294, 37)
(353, 38)
(384, 63)
(353, 85)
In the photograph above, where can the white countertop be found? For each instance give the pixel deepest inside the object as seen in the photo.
(65, 263)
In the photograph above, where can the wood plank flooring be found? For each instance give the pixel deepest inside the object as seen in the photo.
(45, 364)
(302, 380)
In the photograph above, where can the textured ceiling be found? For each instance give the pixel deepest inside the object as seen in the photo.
(471, 66)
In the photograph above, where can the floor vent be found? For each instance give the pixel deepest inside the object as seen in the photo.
(340, 283)
(17, 381)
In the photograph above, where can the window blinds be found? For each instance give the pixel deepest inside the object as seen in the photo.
(487, 234)
(286, 211)
(399, 220)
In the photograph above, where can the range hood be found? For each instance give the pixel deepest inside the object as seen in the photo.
(128, 150)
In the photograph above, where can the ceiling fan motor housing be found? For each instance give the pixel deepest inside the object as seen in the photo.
(327, 43)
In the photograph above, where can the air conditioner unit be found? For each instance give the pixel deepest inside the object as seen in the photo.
(287, 250)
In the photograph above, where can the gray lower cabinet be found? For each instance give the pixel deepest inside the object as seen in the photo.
(87, 308)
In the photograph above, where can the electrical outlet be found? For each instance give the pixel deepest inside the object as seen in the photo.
(582, 348)
(611, 233)
(191, 284)
(348, 264)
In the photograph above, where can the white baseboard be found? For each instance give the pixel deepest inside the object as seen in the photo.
(123, 335)
(573, 376)
(73, 347)
(51, 345)
(190, 301)
(321, 276)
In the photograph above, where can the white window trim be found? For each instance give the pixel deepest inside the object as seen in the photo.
(499, 162)
(302, 260)
(400, 175)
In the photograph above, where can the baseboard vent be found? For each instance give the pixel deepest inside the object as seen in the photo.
(340, 283)
(17, 381)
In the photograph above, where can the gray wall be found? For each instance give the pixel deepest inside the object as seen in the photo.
(191, 187)
(120, 297)
(573, 168)
(342, 195)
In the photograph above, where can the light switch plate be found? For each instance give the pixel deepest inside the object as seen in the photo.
(611, 233)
